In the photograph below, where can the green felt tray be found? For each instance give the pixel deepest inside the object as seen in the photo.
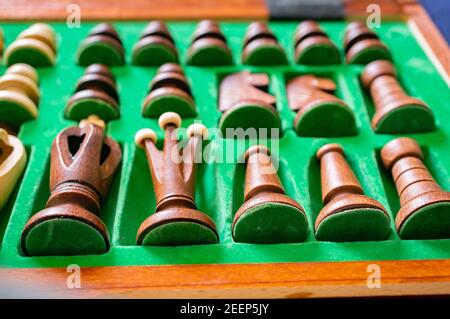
(220, 185)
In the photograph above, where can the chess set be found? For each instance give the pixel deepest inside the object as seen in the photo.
(348, 161)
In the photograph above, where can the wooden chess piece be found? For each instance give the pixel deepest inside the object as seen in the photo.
(348, 214)
(313, 46)
(13, 158)
(245, 103)
(176, 220)
(35, 46)
(169, 92)
(209, 46)
(102, 45)
(319, 112)
(83, 164)
(95, 94)
(424, 206)
(155, 46)
(19, 96)
(396, 112)
(267, 215)
(363, 46)
(261, 46)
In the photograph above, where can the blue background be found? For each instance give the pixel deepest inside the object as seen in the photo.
(439, 10)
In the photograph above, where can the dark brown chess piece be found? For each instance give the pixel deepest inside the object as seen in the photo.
(95, 94)
(261, 46)
(348, 214)
(362, 45)
(83, 164)
(424, 206)
(102, 45)
(169, 92)
(155, 46)
(209, 46)
(267, 214)
(313, 46)
(176, 220)
(319, 112)
(396, 112)
(245, 103)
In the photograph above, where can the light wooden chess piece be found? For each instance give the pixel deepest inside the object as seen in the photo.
(12, 163)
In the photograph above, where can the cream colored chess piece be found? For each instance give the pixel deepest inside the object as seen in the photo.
(12, 163)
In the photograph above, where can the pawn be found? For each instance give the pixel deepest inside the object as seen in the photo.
(267, 215)
(261, 47)
(155, 46)
(95, 94)
(169, 92)
(424, 206)
(319, 112)
(313, 46)
(12, 163)
(348, 214)
(363, 46)
(176, 220)
(395, 111)
(19, 96)
(83, 164)
(209, 46)
(35, 46)
(245, 103)
(102, 45)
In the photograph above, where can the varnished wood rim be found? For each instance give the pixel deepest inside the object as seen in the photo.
(278, 280)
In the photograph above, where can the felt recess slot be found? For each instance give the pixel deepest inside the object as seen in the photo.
(139, 199)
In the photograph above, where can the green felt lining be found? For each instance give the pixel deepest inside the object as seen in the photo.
(250, 117)
(179, 233)
(99, 52)
(266, 55)
(319, 54)
(131, 197)
(354, 225)
(85, 107)
(153, 55)
(210, 56)
(327, 119)
(169, 103)
(429, 222)
(14, 114)
(371, 54)
(29, 56)
(64, 237)
(407, 119)
(271, 223)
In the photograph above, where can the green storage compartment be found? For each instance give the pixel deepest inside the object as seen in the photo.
(219, 190)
